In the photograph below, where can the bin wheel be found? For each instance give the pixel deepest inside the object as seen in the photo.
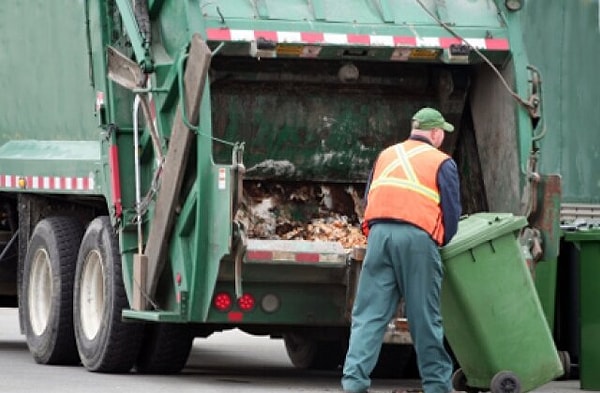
(565, 361)
(459, 380)
(505, 382)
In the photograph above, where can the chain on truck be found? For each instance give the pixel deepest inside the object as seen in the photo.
(171, 169)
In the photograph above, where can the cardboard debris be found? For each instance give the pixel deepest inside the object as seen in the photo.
(302, 212)
(338, 230)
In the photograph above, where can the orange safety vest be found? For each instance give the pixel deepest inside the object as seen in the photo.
(404, 187)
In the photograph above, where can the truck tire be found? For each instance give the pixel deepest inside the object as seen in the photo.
(308, 353)
(165, 348)
(47, 294)
(105, 342)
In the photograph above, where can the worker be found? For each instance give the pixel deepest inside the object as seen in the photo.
(412, 208)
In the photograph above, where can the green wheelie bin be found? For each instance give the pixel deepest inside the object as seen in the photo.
(587, 241)
(492, 316)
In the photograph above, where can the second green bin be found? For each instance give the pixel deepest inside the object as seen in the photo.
(493, 318)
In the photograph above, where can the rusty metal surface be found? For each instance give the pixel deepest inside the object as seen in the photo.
(546, 216)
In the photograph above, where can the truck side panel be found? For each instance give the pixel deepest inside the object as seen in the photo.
(47, 92)
(569, 66)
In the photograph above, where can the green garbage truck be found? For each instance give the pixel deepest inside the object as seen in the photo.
(170, 169)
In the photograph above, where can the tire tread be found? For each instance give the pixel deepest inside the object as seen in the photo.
(64, 233)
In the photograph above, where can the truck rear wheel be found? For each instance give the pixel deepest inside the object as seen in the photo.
(47, 295)
(165, 348)
(105, 343)
(309, 353)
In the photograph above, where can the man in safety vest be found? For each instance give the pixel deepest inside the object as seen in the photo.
(412, 208)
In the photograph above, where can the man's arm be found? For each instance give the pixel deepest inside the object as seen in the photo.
(448, 183)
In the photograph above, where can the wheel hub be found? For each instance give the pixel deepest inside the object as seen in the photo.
(92, 295)
(40, 291)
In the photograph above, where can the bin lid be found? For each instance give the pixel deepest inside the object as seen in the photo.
(583, 235)
(479, 228)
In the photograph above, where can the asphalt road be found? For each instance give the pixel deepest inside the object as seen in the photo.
(231, 361)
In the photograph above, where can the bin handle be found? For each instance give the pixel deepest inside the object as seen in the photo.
(472, 256)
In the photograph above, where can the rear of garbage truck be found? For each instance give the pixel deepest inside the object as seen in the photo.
(199, 166)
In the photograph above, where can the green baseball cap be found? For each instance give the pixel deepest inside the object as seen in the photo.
(428, 118)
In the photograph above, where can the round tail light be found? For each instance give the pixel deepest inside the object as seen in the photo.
(222, 301)
(246, 302)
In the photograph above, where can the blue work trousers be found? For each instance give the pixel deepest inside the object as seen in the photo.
(401, 261)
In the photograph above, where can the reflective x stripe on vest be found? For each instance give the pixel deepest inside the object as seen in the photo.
(411, 182)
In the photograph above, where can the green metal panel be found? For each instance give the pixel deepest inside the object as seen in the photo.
(51, 166)
(45, 72)
(49, 158)
(319, 305)
(324, 289)
(457, 13)
(296, 129)
(562, 39)
(48, 99)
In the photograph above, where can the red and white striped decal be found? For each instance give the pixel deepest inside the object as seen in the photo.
(50, 183)
(287, 256)
(297, 37)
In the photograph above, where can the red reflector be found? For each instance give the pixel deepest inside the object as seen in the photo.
(405, 41)
(307, 257)
(222, 301)
(218, 34)
(497, 44)
(312, 38)
(259, 255)
(267, 35)
(246, 302)
(445, 42)
(363, 39)
(235, 316)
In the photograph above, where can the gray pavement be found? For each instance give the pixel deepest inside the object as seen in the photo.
(225, 362)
